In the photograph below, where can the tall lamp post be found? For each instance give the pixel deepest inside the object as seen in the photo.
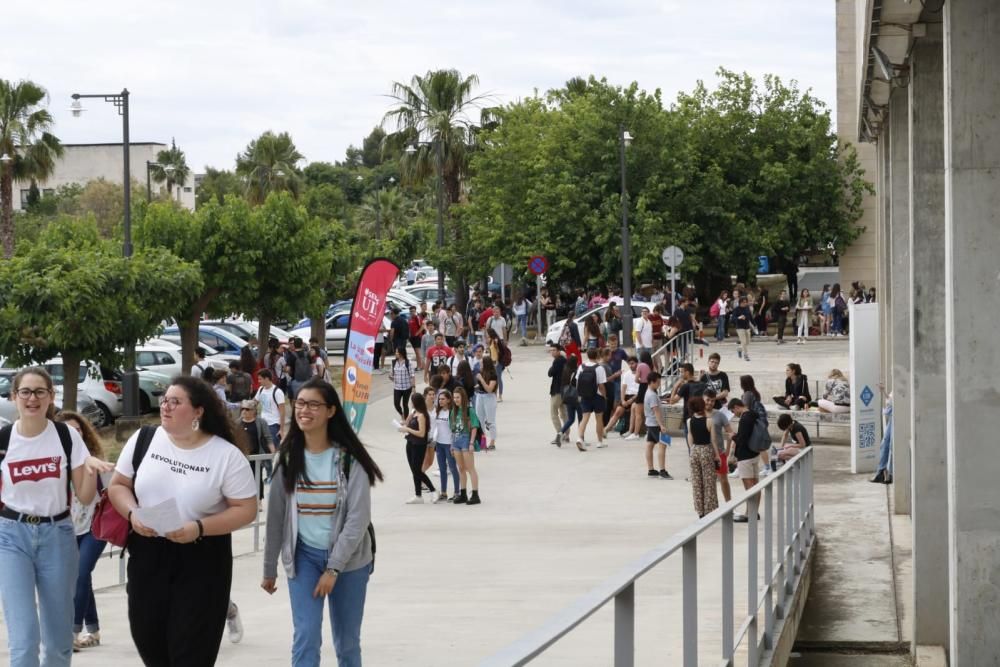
(624, 139)
(130, 379)
(167, 168)
(439, 153)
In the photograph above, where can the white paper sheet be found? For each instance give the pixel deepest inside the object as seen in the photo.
(395, 423)
(163, 518)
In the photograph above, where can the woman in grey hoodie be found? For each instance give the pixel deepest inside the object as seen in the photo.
(319, 521)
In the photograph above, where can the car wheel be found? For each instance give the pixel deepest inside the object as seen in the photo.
(144, 403)
(107, 419)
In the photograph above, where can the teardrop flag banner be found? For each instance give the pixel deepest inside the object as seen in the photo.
(367, 313)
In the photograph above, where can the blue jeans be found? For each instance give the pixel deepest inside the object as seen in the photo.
(84, 607)
(838, 322)
(347, 608)
(720, 328)
(38, 558)
(446, 461)
(522, 325)
(500, 379)
(572, 412)
(885, 451)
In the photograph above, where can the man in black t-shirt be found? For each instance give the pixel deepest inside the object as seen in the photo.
(686, 389)
(746, 458)
(794, 437)
(715, 379)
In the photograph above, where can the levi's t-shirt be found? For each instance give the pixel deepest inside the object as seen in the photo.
(199, 479)
(33, 472)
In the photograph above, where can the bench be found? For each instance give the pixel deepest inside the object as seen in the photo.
(672, 415)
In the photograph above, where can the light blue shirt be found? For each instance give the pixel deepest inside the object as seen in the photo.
(317, 500)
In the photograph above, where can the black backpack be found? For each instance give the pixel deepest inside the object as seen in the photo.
(64, 440)
(586, 382)
(240, 386)
(303, 367)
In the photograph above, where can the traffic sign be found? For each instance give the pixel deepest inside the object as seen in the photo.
(672, 256)
(538, 265)
(674, 275)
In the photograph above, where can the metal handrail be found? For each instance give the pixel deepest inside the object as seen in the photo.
(679, 349)
(795, 524)
(256, 461)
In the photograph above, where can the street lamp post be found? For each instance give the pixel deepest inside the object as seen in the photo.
(439, 152)
(130, 379)
(624, 139)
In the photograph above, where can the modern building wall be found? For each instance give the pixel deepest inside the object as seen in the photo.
(81, 163)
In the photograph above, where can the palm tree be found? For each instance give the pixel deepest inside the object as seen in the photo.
(28, 149)
(269, 164)
(171, 157)
(384, 213)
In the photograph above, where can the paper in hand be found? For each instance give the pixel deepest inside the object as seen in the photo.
(396, 424)
(163, 518)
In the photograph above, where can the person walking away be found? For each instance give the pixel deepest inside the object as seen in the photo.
(803, 311)
(760, 314)
(705, 458)
(590, 380)
(90, 548)
(780, 315)
(178, 587)
(654, 427)
(42, 465)
(464, 431)
(557, 411)
(839, 309)
(592, 338)
(721, 308)
(521, 309)
(743, 317)
(400, 330)
(319, 522)
(299, 365)
(403, 380)
(571, 401)
(794, 437)
(718, 421)
(746, 466)
(486, 401)
(415, 430)
(796, 389)
(441, 434)
(825, 308)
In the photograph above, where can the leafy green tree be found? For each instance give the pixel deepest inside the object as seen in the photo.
(72, 294)
(25, 140)
(216, 184)
(171, 168)
(224, 241)
(269, 164)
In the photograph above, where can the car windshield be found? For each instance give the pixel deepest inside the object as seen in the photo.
(4, 386)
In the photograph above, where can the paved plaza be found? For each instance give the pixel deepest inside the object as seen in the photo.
(452, 584)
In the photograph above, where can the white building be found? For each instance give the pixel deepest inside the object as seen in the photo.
(81, 163)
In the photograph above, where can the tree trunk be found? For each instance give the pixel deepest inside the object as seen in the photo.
(263, 335)
(460, 284)
(7, 222)
(71, 366)
(317, 327)
(189, 341)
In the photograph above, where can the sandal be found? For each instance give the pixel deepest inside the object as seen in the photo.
(87, 641)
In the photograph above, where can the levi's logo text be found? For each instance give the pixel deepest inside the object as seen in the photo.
(33, 470)
(178, 467)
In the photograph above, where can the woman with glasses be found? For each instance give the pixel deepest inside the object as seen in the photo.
(318, 520)
(39, 459)
(178, 587)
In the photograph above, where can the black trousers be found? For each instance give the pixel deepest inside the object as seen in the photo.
(377, 360)
(781, 327)
(178, 598)
(401, 401)
(415, 457)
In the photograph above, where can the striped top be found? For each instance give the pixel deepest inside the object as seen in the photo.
(316, 501)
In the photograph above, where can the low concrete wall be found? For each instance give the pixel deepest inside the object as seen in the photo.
(786, 629)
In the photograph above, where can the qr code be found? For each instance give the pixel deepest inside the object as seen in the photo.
(866, 435)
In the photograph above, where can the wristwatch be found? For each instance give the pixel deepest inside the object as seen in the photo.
(332, 570)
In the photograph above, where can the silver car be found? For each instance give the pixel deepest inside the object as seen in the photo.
(85, 405)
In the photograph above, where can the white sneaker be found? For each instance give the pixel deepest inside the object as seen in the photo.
(601, 444)
(734, 474)
(765, 470)
(234, 623)
(631, 436)
(415, 500)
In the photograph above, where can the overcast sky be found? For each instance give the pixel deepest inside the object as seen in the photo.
(217, 73)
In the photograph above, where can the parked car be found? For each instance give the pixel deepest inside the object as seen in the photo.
(104, 385)
(336, 331)
(214, 338)
(163, 355)
(85, 405)
(552, 336)
(246, 329)
(430, 293)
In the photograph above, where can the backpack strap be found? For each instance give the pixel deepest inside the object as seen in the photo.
(5, 440)
(67, 447)
(146, 434)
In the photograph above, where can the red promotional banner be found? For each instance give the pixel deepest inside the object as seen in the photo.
(367, 317)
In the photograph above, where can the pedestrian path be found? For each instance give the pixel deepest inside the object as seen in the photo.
(452, 584)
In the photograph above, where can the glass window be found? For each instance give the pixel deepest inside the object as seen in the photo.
(145, 359)
(340, 322)
(165, 358)
(24, 198)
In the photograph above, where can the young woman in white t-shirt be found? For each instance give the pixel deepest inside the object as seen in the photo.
(318, 518)
(178, 582)
(38, 552)
(84, 605)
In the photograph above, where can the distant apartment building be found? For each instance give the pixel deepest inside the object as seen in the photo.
(81, 163)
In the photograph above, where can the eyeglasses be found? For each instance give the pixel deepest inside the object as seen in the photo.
(311, 406)
(170, 401)
(26, 393)
(248, 409)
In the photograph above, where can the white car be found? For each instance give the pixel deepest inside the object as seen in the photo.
(104, 385)
(336, 331)
(163, 355)
(249, 328)
(552, 336)
(85, 405)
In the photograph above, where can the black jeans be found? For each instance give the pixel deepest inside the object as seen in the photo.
(415, 457)
(377, 360)
(781, 327)
(401, 401)
(178, 599)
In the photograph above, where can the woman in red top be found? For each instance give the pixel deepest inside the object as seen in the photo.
(656, 319)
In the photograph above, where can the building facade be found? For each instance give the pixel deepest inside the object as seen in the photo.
(81, 163)
(919, 85)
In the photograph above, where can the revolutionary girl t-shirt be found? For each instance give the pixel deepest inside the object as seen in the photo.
(199, 480)
(34, 473)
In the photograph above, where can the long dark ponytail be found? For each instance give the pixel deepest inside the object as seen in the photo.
(338, 432)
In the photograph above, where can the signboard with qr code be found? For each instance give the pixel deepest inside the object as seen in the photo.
(866, 400)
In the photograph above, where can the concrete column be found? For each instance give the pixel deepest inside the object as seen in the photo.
(884, 294)
(929, 502)
(972, 295)
(899, 168)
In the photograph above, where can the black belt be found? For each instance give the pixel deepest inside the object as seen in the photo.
(33, 520)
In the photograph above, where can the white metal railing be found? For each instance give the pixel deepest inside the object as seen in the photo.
(791, 517)
(257, 462)
(668, 358)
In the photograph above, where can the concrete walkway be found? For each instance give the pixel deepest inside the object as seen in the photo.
(454, 583)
